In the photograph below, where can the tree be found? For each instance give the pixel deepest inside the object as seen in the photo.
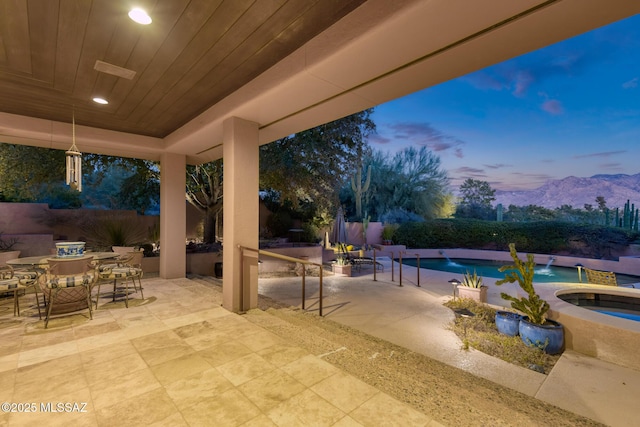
(528, 213)
(409, 183)
(476, 192)
(35, 174)
(141, 189)
(121, 182)
(24, 170)
(312, 165)
(204, 191)
(475, 200)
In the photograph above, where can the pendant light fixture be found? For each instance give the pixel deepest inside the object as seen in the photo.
(74, 161)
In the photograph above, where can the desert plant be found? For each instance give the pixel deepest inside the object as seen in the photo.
(389, 231)
(113, 230)
(342, 254)
(472, 280)
(359, 188)
(480, 333)
(532, 306)
(7, 245)
(365, 225)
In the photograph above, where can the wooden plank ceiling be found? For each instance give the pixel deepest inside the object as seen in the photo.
(193, 54)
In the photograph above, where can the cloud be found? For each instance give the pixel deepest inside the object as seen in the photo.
(497, 166)
(484, 81)
(423, 134)
(522, 180)
(470, 170)
(569, 58)
(523, 80)
(552, 106)
(465, 172)
(603, 154)
(378, 139)
(613, 167)
(533, 176)
(631, 84)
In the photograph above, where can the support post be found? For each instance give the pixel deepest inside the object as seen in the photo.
(240, 151)
(173, 216)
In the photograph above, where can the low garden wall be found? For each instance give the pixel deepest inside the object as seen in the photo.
(273, 265)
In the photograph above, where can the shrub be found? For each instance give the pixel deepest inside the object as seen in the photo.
(113, 230)
(279, 223)
(594, 241)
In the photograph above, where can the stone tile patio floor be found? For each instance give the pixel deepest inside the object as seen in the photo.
(176, 358)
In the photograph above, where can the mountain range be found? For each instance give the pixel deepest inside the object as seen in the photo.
(576, 192)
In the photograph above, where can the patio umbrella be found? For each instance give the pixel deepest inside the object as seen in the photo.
(339, 231)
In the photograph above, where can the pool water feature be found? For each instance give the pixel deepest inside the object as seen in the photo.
(544, 274)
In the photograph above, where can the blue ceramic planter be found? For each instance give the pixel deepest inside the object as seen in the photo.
(69, 249)
(549, 336)
(508, 323)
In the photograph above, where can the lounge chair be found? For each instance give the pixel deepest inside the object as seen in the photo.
(359, 262)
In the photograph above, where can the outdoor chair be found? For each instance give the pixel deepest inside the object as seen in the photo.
(608, 278)
(16, 282)
(68, 282)
(127, 267)
(8, 283)
(597, 277)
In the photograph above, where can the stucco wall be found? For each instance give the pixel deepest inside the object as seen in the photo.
(36, 227)
(269, 264)
(355, 234)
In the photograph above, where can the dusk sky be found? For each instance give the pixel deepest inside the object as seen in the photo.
(572, 108)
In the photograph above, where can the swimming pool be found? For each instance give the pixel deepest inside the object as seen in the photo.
(487, 268)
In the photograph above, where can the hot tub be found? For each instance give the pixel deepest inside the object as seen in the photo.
(599, 321)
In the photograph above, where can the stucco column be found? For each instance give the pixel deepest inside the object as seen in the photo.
(173, 216)
(241, 222)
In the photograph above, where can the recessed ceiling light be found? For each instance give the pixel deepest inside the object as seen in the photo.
(140, 16)
(99, 100)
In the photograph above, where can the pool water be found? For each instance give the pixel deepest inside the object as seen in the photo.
(626, 307)
(488, 268)
(629, 316)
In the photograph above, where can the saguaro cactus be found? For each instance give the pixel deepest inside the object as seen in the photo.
(630, 216)
(629, 219)
(359, 188)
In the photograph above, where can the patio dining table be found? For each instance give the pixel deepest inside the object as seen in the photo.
(68, 298)
(41, 261)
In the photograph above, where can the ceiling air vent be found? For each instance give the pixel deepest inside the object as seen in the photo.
(114, 70)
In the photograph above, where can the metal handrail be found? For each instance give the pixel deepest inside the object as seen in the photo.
(291, 259)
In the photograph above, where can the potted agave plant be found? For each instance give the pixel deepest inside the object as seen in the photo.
(472, 287)
(534, 328)
(342, 264)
